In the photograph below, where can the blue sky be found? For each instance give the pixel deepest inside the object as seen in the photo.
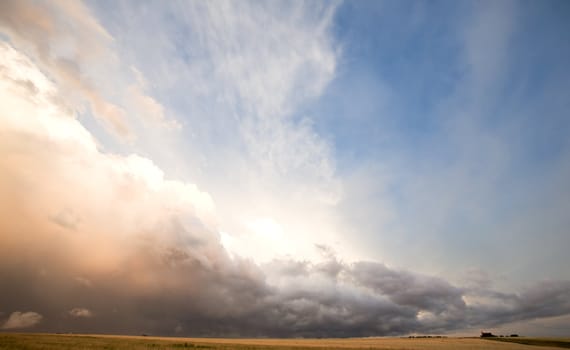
(292, 147)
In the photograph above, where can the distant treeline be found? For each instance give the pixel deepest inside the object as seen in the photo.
(491, 335)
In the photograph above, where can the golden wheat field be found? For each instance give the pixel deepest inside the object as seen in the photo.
(88, 342)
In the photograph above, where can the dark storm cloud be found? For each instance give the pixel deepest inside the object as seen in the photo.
(172, 290)
(546, 299)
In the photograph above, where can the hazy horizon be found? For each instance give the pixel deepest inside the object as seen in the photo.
(285, 169)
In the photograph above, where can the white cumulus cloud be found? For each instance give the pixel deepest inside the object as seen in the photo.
(80, 312)
(19, 320)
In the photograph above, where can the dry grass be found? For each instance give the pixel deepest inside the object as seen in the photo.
(100, 342)
(557, 342)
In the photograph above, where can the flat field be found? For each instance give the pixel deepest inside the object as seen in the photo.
(9, 341)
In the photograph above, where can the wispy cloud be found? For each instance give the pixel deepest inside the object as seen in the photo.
(238, 88)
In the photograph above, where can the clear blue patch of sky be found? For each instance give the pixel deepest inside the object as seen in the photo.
(540, 57)
(400, 60)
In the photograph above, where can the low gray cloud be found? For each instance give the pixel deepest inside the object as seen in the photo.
(233, 297)
(546, 299)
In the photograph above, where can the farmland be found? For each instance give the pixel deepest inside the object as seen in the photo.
(99, 342)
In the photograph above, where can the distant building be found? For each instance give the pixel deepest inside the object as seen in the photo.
(487, 335)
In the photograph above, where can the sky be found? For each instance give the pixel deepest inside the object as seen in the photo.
(285, 169)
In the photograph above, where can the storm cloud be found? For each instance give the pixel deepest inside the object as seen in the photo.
(93, 241)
